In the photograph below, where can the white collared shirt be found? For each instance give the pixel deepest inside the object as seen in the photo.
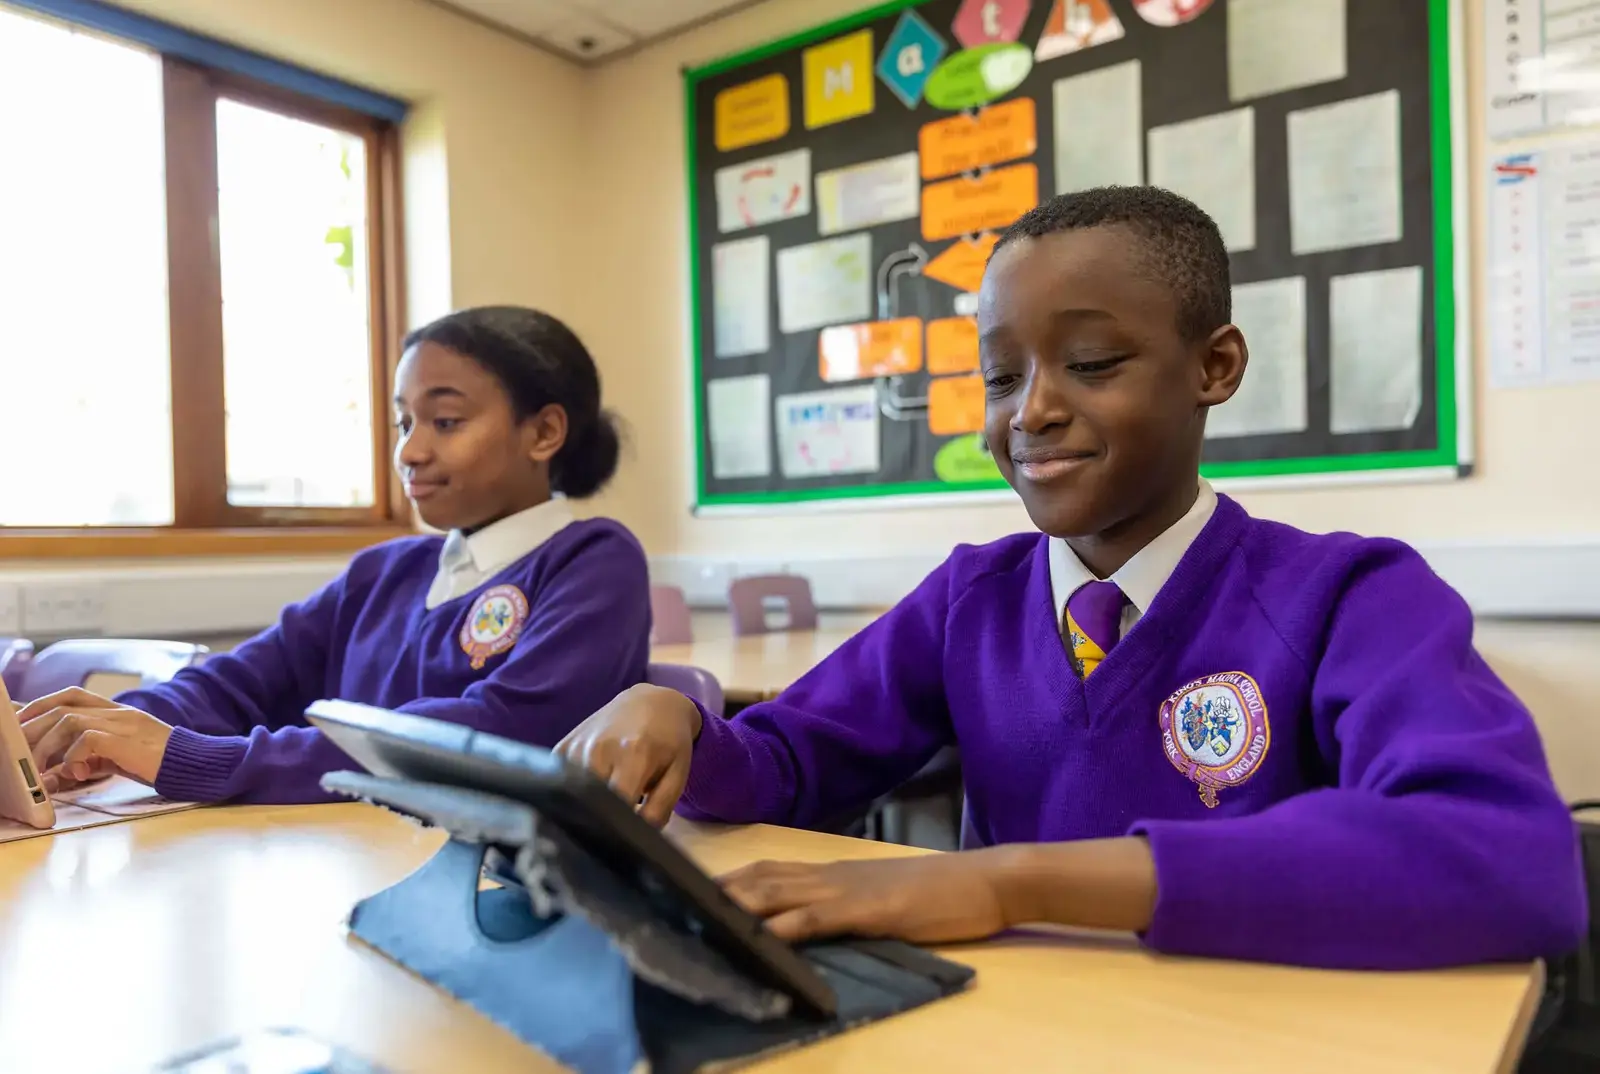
(1142, 577)
(466, 562)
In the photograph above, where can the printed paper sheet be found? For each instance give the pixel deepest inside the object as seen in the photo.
(865, 195)
(1272, 398)
(829, 432)
(1099, 128)
(1279, 45)
(1344, 174)
(1544, 266)
(741, 294)
(1377, 350)
(823, 283)
(1212, 162)
(764, 191)
(740, 419)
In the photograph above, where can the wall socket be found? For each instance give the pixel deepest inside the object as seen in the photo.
(56, 611)
(10, 610)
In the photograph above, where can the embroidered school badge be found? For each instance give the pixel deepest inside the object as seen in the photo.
(494, 623)
(1215, 731)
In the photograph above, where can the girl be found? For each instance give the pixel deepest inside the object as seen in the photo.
(520, 621)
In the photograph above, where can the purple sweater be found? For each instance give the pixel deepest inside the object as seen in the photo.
(1381, 799)
(581, 601)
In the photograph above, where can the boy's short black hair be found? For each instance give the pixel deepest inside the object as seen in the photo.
(1181, 245)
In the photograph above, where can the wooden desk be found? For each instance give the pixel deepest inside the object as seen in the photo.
(124, 945)
(757, 667)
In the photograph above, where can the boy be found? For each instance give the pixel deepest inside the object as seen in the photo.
(1234, 738)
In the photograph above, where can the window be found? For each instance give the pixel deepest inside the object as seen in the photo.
(199, 279)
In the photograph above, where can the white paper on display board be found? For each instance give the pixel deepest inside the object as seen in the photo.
(1212, 162)
(740, 419)
(1099, 128)
(865, 195)
(1280, 45)
(829, 432)
(1272, 397)
(741, 297)
(1344, 174)
(823, 283)
(1376, 353)
(764, 191)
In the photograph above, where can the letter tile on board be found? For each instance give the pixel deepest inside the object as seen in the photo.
(1075, 25)
(1170, 12)
(983, 22)
(839, 82)
(909, 57)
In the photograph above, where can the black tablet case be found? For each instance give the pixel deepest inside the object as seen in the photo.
(591, 969)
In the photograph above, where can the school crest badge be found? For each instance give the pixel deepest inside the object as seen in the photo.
(494, 623)
(1215, 731)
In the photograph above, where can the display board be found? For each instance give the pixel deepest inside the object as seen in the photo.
(847, 184)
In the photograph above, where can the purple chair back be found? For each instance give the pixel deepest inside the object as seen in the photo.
(771, 603)
(73, 663)
(15, 656)
(695, 683)
(669, 616)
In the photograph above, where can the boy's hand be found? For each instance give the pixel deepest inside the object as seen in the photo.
(77, 736)
(937, 898)
(641, 743)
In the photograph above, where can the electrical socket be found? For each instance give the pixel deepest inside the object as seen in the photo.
(63, 610)
(10, 610)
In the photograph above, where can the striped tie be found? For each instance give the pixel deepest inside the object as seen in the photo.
(1092, 623)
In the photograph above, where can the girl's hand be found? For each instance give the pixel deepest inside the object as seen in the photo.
(77, 736)
(937, 898)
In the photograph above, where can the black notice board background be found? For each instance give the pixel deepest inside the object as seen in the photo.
(1184, 71)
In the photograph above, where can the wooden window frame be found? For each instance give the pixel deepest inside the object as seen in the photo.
(204, 522)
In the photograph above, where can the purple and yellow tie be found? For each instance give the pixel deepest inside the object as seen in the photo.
(1091, 624)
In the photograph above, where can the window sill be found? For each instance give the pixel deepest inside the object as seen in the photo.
(169, 543)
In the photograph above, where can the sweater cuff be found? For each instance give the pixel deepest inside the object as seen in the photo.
(1216, 898)
(198, 768)
(719, 771)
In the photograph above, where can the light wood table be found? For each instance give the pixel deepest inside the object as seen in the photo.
(122, 946)
(757, 667)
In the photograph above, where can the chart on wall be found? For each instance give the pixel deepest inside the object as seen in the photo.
(848, 184)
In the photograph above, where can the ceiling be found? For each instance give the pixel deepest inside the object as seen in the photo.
(592, 30)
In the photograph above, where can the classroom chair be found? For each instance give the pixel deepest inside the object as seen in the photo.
(937, 785)
(692, 682)
(15, 656)
(789, 595)
(73, 663)
(669, 616)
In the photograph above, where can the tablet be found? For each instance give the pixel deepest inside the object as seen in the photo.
(403, 746)
(22, 796)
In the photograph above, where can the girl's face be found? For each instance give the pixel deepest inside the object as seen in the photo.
(464, 457)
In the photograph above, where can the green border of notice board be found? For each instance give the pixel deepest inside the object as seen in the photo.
(1451, 455)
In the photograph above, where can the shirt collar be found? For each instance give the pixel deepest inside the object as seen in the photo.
(1142, 577)
(502, 543)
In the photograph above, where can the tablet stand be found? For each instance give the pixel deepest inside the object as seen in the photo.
(602, 976)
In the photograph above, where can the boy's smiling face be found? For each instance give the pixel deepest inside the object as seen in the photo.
(1096, 402)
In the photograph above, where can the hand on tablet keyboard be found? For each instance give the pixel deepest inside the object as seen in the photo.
(641, 744)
